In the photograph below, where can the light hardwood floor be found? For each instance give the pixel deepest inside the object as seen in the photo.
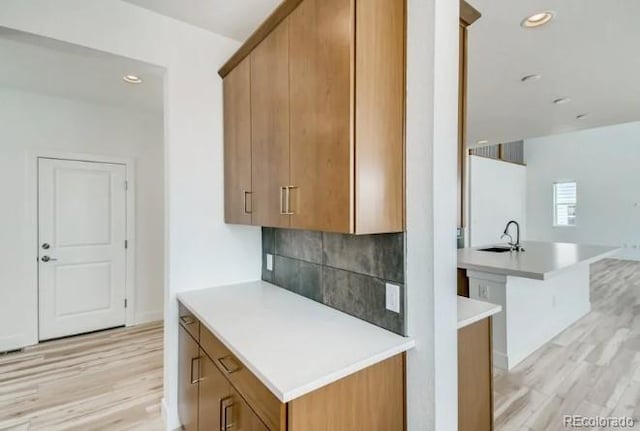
(590, 369)
(109, 380)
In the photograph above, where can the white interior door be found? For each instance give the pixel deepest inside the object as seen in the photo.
(82, 256)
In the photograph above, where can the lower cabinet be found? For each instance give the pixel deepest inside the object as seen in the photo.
(214, 389)
(188, 381)
(220, 407)
(218, 393)
(475, 377)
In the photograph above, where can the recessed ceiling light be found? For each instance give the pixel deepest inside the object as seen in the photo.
(482, 142)
(562, 101)
(537, 20)
(582, 116)
(531, 78)
(132, 79)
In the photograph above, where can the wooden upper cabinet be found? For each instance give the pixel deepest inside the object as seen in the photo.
(237, 144)
(468, 15)
(379, 115)
(327, 115)
(320, 38)
(270, 128)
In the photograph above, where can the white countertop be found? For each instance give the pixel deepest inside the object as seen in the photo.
(539, 261)
(471, 311)
(292, 344)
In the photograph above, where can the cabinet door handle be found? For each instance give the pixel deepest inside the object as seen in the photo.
(229, 364)
(187, 320)
(226, 414)
(247, 211)
(283, 201)
(197, 379)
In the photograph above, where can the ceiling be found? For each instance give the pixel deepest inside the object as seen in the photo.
(588, 53)
(53, 68)
(236, 19)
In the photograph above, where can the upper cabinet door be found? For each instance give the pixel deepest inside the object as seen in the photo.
(237, 144)
(320, 47)
(270, 129)
(379, 115)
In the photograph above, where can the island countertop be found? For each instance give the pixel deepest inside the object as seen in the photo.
(292, 344)
(539, 261)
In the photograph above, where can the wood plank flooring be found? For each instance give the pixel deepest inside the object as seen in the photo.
(109, 380)
(592, 368)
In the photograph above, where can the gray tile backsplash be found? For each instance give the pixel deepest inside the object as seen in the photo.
(346, 272)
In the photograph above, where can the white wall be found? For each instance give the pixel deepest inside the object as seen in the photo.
(431, 154)
(200, 249)
(497, 194)
(203, 251)
(31, 123)
(604, 163)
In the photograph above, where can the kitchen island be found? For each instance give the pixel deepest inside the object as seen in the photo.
(542, 291)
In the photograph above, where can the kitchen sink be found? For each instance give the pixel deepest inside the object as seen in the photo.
(496, 249)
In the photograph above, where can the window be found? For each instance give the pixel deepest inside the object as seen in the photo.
(564, 203)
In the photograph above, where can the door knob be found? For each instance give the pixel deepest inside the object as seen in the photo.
(47, 259)
(45, 246)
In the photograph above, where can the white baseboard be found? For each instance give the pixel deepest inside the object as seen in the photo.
(148, 316)
(500, 360)
(627, 254)
(168, 425)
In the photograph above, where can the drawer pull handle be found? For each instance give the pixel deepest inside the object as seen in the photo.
(187, 320)
(226, 414)
(196, 379)
(229, 364)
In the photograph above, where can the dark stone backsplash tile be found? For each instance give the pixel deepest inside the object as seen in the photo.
(299, 244)
(268, 240)
(361, 296)
(379, 256)
(303, 278)
(345, 272)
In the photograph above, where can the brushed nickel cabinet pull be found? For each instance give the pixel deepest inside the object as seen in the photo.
(226, 414)
(247, 193)
(283, 201)
(289, 210)
(197, 379)
(229, 364)
(187, 320)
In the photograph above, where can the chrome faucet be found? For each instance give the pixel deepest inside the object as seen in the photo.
(515, 246)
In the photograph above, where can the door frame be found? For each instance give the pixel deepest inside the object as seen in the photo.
(130, 220)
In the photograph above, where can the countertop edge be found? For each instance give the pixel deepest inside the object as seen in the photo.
(504, 271)
(489, 310)
(358, 366)
(291, 395)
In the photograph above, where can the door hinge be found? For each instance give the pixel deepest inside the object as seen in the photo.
(126, 243)
(125, 303)
(126, 185)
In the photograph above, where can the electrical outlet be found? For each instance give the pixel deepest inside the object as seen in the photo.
(269, 262)
(393, 297)
(483, 291)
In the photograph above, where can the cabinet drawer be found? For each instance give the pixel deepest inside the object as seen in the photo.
(189, 321)
(270, 410)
